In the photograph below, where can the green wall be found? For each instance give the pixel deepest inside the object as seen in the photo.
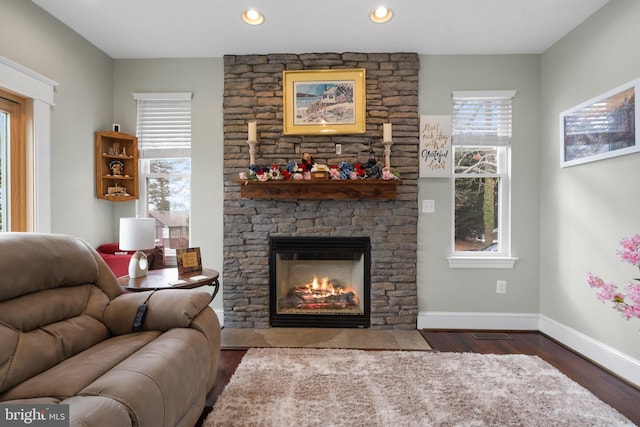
(440, 288)
(586, 209)
(83, 104)
(204, 79)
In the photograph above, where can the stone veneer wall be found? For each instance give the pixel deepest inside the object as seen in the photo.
(253, 91)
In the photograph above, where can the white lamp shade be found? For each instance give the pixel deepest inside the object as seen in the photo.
(137, 233)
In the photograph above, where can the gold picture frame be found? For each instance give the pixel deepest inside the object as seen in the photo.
(320, 102)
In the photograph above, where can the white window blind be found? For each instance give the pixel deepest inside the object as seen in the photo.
(164, 125)
(482, 118)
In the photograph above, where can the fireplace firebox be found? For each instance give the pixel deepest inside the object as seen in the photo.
(320, 281)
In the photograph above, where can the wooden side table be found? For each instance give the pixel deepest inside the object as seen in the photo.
(169, 278)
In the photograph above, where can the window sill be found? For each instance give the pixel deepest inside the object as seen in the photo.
(457, 261)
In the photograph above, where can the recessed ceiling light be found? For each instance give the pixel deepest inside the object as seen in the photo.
(381, 15)
(252, 17)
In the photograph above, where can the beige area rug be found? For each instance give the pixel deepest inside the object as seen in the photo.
(348, 338)
(324, 387)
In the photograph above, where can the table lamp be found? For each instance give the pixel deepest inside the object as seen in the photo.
(137, 234)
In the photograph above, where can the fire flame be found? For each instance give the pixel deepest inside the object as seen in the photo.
(321, 294)
(324, 287)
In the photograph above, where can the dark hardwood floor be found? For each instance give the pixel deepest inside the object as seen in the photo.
(607, 387)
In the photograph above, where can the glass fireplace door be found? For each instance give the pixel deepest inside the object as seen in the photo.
(320, 281)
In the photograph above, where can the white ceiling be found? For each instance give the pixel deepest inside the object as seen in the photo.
(213, 28)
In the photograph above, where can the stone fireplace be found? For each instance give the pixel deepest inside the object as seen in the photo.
(253, 91)
(319, 281)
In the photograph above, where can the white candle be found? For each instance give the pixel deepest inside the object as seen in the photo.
(252, 131)
(386, 132)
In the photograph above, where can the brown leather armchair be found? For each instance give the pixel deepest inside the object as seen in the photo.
(66, 338)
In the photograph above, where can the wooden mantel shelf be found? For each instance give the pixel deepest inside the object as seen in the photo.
(319, 189)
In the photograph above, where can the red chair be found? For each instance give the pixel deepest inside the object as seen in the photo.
(118, 260)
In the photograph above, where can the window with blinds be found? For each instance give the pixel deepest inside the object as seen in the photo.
(164, 145)
(481, 138)
(482, 118)
(164, 125)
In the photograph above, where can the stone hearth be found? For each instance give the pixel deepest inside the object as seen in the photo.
(253, 91)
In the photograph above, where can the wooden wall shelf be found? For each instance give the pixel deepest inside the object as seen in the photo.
(319, 189)
(116, 148)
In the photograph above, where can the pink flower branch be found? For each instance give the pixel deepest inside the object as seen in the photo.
(628, 304)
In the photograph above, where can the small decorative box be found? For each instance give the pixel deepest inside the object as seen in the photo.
(319, 175)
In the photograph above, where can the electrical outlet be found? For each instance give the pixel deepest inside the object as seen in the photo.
(428, 206)
(501, 287)
(338, 149)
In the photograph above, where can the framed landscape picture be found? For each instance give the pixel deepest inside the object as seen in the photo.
(318, 102)
(602, 127)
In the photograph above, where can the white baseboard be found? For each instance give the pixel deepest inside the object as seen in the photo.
(493, 321)
(609, 358)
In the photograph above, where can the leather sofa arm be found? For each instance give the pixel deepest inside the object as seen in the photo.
(166, 309)
(207, 323)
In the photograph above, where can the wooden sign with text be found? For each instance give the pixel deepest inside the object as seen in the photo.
(436, 154)
(189, 260)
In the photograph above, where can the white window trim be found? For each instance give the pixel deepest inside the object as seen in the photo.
(502, 259)
(484, 93)
(40, 89)
(155, 96)
(460, 261)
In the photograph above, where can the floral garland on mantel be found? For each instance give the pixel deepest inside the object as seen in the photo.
(302, 171)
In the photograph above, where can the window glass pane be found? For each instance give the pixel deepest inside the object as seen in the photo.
(168, 200)
(481, 138)
(476, 214)
(164, 143)
(172, 166)
(476, 160)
